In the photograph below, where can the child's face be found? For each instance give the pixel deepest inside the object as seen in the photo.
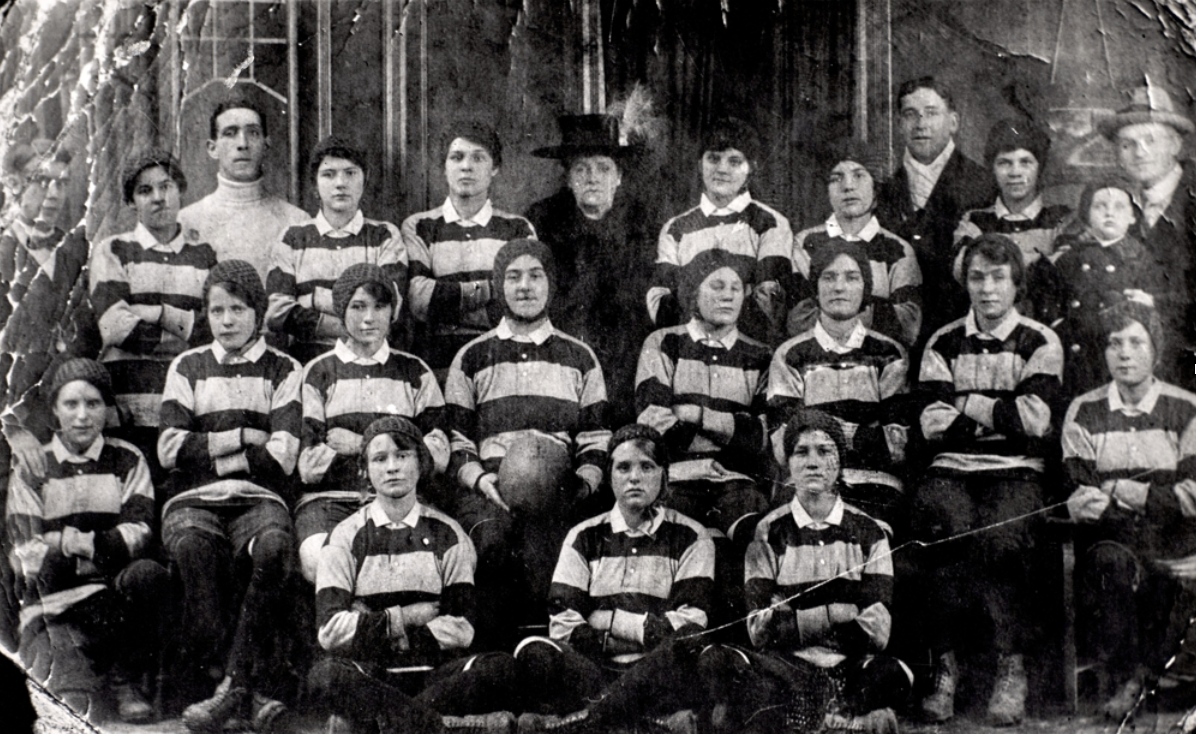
(1111, 214)
(232, 320)
(340, 183)
(367, 320)
(80, 410)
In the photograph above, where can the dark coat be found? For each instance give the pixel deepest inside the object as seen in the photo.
(963, 185)
(1173, 241)
(604, 268)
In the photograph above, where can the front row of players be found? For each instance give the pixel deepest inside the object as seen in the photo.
(634, 587)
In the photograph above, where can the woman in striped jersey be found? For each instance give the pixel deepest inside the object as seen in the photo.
(147, 291)
(231, 418)
(90, 602)
(344, 390)
(853, 373)
(310, 257)
(631, 588)
(1129, 451)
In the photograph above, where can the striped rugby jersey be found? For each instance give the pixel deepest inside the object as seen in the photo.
(641, 585)
(1033, 229)
(854, 382)
(210, 396)
(102, 502)
(133, 272)
(501, 386)
(834, 576)
(1151, 444)
(896, 298)
(306, 263)
(753, 232)
(726, 378)
(989, 396)
(447, 254)
(343, 390)
(416, 574)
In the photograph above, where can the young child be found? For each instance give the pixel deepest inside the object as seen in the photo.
(147, 290)
(309, 258)
(395, 589)
(344, 390)
(90, 604)
(231, 418)
(1099, 268)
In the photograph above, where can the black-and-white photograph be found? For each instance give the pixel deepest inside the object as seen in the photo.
(588, 366)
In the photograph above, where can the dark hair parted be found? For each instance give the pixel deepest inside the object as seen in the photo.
(1013, 134)
(335, 147)
(476, 132)
(910, 86)
(998, 250)
(407, 437)
(234, 103)
(145, 160)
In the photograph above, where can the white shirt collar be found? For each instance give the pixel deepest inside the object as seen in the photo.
(346, 354)
(737, 205)
(855, 340)
(870, 230)
(382, 520)
(537, 336)
(1030, 212)
(698, 334)
(1003, 330)
(618, 523)
(1155, 199)
(481, 219)
(146, 239)
(325, 228)
(803, 519)
(63, 454)
(1144, 406)
(252, 354)
(935, 167)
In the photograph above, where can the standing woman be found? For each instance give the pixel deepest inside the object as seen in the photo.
(603, 242)
(147, 290)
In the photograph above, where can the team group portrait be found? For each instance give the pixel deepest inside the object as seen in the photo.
(674, 367)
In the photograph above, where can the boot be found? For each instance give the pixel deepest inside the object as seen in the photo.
(681, 722)
(266, 714)
(499, 722)
(1007, 705)
(939, 706)
(208, 716)
(131, 706)
(880, 721)
(1124, 701)
(570, 724)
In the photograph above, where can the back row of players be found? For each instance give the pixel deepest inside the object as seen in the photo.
(522, 423)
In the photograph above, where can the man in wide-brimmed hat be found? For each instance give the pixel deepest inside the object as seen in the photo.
(1149, 137)
(603, 242)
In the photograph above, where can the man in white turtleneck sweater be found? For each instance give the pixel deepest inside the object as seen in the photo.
(240, 219)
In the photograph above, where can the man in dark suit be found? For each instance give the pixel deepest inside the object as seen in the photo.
(930, 191)
(1149, 138)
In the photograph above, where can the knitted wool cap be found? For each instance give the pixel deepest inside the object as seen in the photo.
(822, 257)
(1017, 134)
(88, 370)
(695, 272)
(871, 157)
(511, 252)
(811, 419)
(405, 434)
(355, 276)
(1116, 180)
(245, 282)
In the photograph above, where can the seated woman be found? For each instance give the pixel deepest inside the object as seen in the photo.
(1129, 451)
(230, 435)
(818, 583)
(629, 586)
(90, 604)
(853, 373)
(394, 590)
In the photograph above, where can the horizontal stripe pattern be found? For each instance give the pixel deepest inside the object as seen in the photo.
(497, 388)
(822, 574)
(203, 397)
(395, 565)
(669, 573)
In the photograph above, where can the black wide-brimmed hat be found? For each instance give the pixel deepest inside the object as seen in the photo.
(583, 135)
